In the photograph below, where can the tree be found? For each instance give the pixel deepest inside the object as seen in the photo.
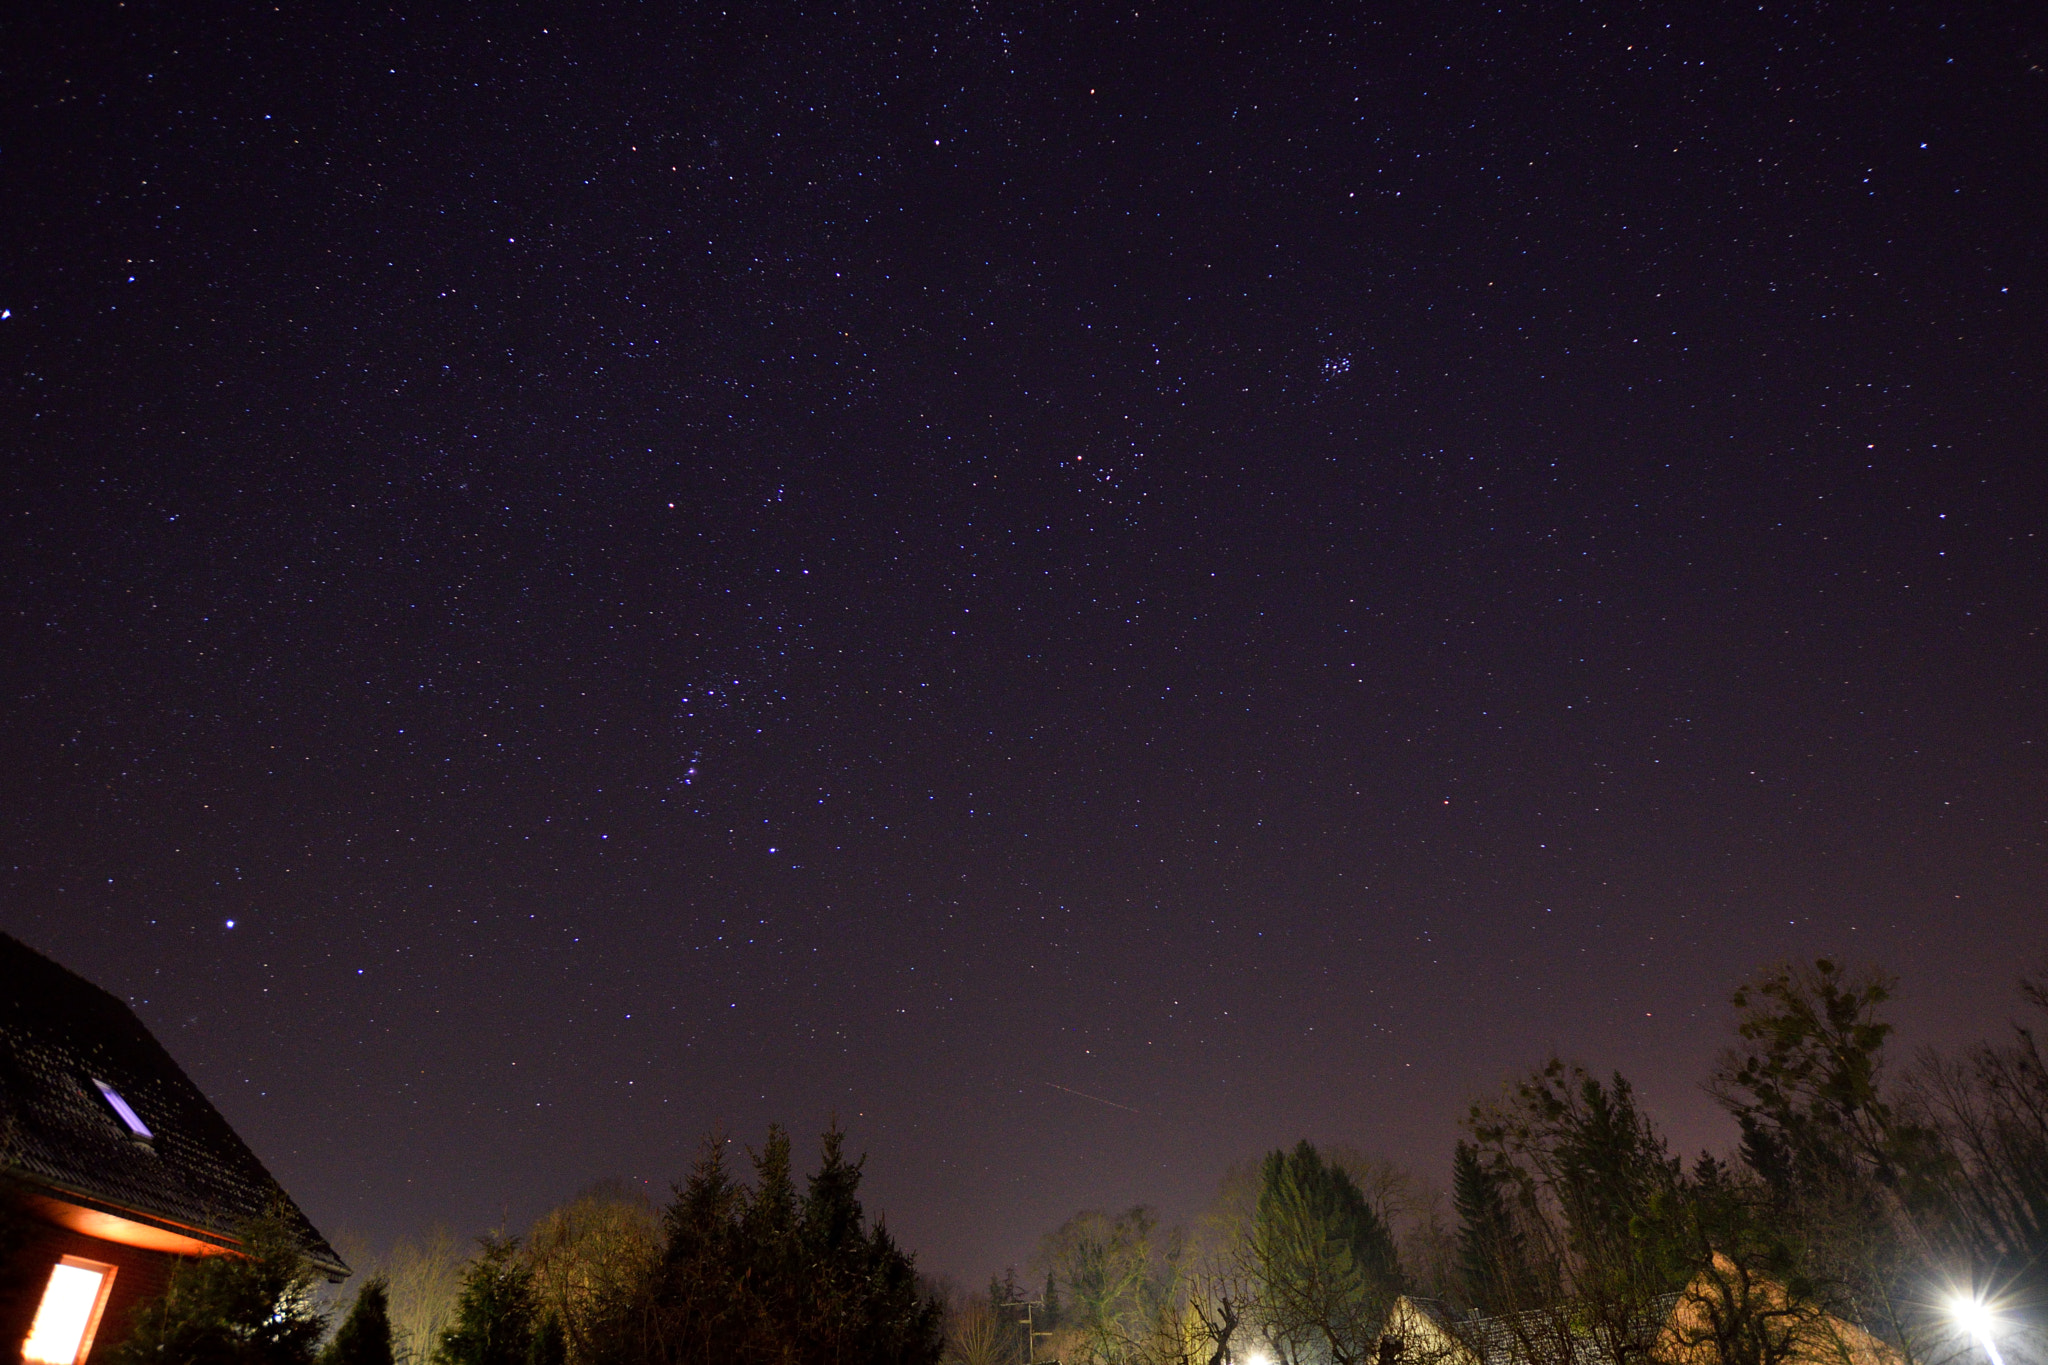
(425, 1278)
(1585, 1176)
(549, 1344)
(1730, 1314)
(494, 1316)
(976, 1336)
(1323, 1260)
(1748, 1298)
(1991, 1108)
(364, 1337)
(759, 1276)
(251, 1308)
(859, 1287)
(1584, 1166)
(1426, 1238)
(1855, 1182)
(1493, 1268)
(1120, 1278)
(588, 1259)
(1806, 1083)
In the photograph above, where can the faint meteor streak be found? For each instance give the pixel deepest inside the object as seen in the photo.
(1097, 1098)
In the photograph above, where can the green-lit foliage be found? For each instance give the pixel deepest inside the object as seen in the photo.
(249, 1309)
(1324, 1261)
(494, 1317)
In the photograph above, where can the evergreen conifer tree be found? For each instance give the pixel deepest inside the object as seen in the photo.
(494, 1315)
(1493, 1264)
(761, 1276)
(1611, 1168)
(364, 1337)
(1325, 1260)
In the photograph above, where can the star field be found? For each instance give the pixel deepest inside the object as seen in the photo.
(1092, 592)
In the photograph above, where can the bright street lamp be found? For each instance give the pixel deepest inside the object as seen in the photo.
(1974, 1316)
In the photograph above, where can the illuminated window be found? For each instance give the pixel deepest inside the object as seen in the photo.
(125, 1110)
(69, 1312)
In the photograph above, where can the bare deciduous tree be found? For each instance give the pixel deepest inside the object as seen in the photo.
(589, 1258)
(426, 1279)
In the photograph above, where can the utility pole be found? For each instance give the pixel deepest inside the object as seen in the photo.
(1031, 1338)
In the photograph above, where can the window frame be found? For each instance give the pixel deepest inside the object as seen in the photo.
(83, 1348)
(138, 1131)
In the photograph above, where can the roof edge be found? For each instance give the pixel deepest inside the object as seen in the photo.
(322, 1259)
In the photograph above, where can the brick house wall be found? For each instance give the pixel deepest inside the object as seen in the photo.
(138, 1275)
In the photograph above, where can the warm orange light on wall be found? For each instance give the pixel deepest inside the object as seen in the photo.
(69, 1313)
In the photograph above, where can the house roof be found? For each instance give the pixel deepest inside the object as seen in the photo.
(1536, 1337)
(62, 1039)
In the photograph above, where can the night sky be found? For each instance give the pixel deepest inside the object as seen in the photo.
(1089, 590)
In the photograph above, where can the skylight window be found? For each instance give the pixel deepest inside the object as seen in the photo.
(125, 1110)
(69, 1313)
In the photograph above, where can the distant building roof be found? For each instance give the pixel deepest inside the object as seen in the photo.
(1667, 1329)
(1437, 1333)
(94, 1112)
